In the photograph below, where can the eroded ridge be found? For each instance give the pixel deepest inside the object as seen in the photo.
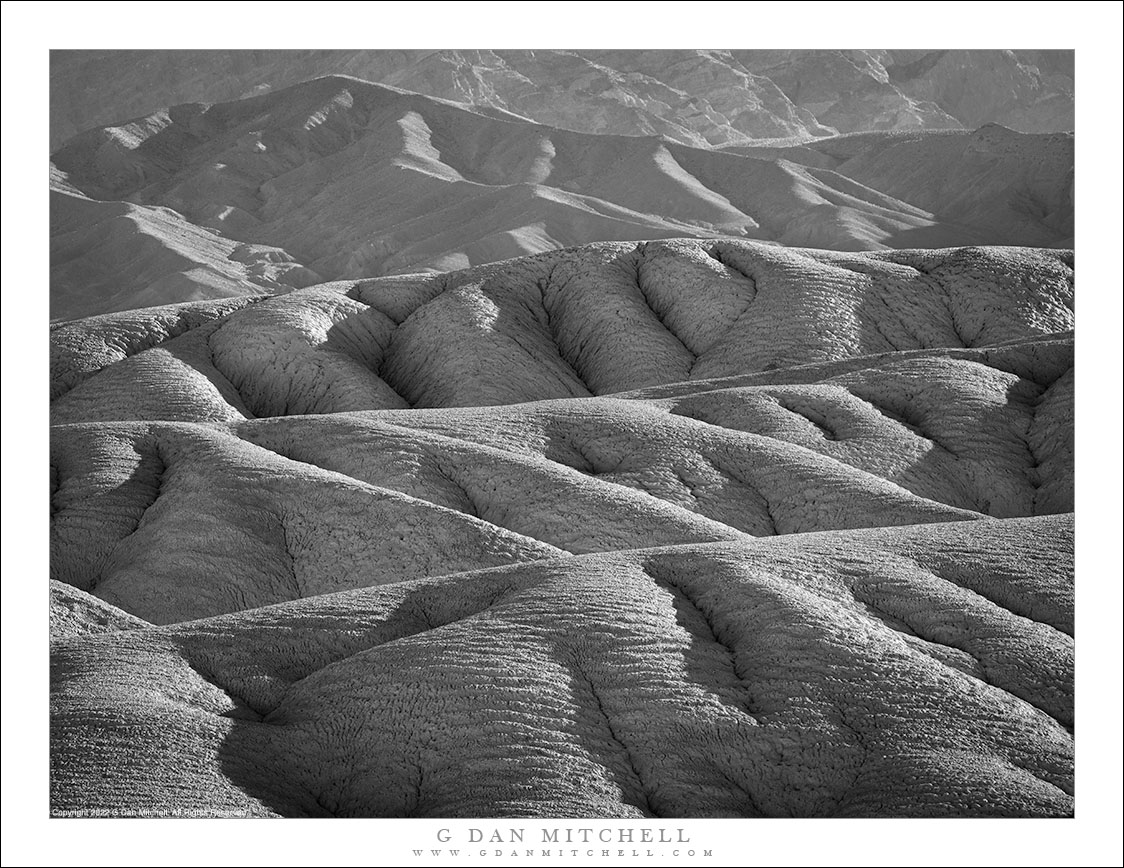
(598, 319)
(700, 680)
(660, 529)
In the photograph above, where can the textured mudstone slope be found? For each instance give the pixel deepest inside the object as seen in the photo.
(907, 672)
(683, 528)
(593, 320)
(311, 504)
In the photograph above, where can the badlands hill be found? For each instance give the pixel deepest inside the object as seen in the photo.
(679, 528)
(338, 178)
(699, 98)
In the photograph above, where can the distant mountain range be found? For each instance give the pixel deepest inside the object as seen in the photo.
(693, 97)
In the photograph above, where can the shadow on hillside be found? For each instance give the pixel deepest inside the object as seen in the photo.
(356, 753)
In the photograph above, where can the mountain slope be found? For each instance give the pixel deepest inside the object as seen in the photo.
(339, 178)
(701, 97)
(853, 91)
(110, 256)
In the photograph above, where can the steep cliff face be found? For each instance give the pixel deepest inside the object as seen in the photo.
(684, 528)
